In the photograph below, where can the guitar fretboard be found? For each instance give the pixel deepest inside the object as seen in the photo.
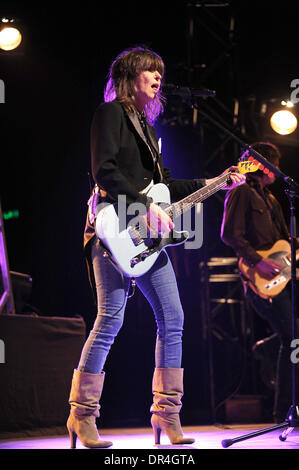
(138, 232)
(178, 208)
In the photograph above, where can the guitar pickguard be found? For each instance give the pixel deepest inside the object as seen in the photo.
(156, 245)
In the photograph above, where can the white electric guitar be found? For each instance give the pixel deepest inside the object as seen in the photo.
(130, 245)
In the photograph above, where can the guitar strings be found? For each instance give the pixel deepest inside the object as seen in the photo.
(182, 206)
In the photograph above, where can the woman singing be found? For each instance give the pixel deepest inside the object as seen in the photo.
(126, 161)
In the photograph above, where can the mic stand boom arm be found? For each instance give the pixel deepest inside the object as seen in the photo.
(289, 181)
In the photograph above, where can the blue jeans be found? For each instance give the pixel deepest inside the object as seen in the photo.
(159, 286)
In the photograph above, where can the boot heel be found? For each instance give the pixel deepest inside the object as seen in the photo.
(157, 434)
(73, 439)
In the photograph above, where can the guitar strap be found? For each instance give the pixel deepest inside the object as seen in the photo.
(93, 202)
(155, 151)
(144, 127)
(268, 199)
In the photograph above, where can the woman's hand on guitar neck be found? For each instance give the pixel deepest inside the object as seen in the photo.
(268, 268)
(236, 178)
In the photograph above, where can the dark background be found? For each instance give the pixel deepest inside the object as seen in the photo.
(53, 83)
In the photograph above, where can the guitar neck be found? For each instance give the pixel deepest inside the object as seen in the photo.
(178, 208)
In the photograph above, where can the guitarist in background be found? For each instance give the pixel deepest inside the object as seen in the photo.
(126, 160)
(253, 220)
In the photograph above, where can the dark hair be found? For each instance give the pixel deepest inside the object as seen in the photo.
(267, 150)
(123, 72)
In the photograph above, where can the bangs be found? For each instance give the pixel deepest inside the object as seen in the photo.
(151, 62)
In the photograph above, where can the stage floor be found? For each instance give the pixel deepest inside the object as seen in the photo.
(206, 437)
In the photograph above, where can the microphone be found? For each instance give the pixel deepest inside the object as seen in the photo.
(187, 93)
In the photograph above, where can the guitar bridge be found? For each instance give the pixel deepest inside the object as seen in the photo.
(142, 256)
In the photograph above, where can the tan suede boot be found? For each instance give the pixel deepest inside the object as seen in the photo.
(84, 399)
(168, 391)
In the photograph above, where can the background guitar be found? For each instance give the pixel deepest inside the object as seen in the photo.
(281, 253)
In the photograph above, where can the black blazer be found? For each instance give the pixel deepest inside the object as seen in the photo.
(122, 162)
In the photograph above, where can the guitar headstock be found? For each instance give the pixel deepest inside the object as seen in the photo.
(247, 166)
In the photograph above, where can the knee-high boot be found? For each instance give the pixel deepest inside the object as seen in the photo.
(84, 399)
(168, 391)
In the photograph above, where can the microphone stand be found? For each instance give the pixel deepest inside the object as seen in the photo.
(292, 419)
(292, 191)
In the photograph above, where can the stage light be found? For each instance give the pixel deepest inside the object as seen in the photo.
(10, 36)
(283, 122)
(288, 104)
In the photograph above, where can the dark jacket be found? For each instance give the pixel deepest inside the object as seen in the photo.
(122, 160)
(253, 220)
